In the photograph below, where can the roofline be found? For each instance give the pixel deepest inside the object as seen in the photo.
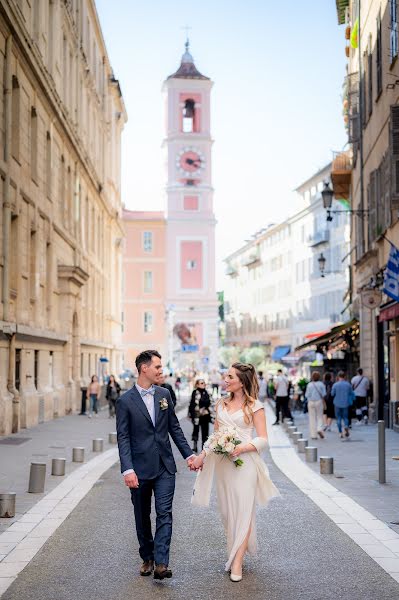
(328, 166)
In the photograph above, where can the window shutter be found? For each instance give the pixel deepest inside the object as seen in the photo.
(394, 156)
(372, 206)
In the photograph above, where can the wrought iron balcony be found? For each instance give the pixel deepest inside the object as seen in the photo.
(319, 237)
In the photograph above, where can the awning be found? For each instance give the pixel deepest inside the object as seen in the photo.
(389, 312)
(280, 351)
(332, 335)
(316, 334)
(294, 358)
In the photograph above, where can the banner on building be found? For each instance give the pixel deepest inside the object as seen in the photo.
(391, 275)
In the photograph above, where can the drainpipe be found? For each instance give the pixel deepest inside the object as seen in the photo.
(6, 202)
(11, 387)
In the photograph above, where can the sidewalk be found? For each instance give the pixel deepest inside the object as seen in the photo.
(53, 439)
(356, 466)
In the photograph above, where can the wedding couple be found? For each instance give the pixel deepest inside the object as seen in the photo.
(145, 416)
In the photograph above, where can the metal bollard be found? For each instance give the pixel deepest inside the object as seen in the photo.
(302, 444)
(381, 452)
(58, 466)
(7, 505)
(287, 424)
(291, 429)
(296, 436)
(326, 465)
(78, 454)
(112, 438)
(311, 453)
(98, 445)
(37, 478)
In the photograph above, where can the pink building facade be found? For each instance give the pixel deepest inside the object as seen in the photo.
(191, 295)
(144, 284)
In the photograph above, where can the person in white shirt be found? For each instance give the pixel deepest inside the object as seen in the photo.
(361, 386)
(281, 396)
(262, 386)
(315, 395)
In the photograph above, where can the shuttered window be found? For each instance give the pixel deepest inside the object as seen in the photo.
(393, 30)
(394, 139)
(379, 55)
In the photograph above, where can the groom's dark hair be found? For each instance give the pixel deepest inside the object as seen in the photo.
(145, 357)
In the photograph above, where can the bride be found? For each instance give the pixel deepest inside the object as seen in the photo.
(238, 488)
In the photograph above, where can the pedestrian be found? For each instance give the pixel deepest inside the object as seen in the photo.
(93, 394)
(178, 385)
(281, 397)
(361, 386)
(144, 419)
(262, 387)
(315, 394)
(215, 382)
(329, 410)
(167, 386)
(112, 394)
(343, 395)
(199, 411)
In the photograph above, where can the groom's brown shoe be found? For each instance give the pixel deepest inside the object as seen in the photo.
(146, 568)
(162, 572)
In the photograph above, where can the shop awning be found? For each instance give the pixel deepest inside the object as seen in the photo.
(316, 334)
(294, 358)
(389, 312)
(330, 337)
(280, 351)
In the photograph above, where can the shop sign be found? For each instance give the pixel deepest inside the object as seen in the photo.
(389, 313)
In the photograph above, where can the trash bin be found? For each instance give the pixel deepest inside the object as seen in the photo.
(83, 401)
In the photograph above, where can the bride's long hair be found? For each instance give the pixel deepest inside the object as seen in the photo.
(246, 373)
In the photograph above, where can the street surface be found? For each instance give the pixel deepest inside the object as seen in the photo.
(93, 554)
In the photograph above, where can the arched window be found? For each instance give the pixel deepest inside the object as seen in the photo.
(188, 116)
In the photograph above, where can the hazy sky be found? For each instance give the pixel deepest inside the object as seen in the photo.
(278, 69)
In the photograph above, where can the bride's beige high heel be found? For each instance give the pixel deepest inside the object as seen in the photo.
(235, 578)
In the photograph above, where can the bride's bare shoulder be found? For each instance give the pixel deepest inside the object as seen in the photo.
(258, 405)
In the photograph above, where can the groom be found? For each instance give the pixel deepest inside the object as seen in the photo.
(144, 418)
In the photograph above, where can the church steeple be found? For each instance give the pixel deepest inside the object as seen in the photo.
(187, 69)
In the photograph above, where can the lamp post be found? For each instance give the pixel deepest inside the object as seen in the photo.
(327, 197)
(322, 264)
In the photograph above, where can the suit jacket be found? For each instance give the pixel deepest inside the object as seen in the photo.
(141, 444)
(170, 389)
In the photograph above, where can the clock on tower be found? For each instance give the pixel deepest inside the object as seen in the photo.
(191, 293)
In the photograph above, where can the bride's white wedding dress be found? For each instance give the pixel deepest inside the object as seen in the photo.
(239, 489)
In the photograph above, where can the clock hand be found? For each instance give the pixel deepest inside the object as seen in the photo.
(194, 162)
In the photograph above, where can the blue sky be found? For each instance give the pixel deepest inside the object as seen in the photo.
(278, 69)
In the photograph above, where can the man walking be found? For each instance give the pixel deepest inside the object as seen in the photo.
(361, 386)
(262, 387)
(343, 399)
(144, 419)
(281, 391)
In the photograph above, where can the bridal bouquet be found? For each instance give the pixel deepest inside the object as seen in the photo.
(223, 441)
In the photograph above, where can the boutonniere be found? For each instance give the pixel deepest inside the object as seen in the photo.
(163, 404)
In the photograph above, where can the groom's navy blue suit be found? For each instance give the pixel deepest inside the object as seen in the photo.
(146, 448)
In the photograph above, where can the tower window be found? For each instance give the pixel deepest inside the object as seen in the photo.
(191, 265)
(147, 322)
(147, 241)
(188, 116)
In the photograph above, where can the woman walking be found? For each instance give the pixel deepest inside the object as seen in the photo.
(199, 412)
(112, 394)
(315, 394)
(93, 392)
(329, 410)
(240, 488)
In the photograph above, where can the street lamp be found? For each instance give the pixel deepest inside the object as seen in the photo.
(322, 263)
(327, 196)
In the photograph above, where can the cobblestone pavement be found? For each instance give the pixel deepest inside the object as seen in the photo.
(302, 553)
(356, 466)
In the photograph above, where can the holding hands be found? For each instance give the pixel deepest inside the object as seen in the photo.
(195, 462)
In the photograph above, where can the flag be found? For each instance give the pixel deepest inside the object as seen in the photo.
(391, 275)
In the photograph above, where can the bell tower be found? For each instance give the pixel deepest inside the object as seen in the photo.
(191, 294)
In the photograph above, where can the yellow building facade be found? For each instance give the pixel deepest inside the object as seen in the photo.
(61, 119)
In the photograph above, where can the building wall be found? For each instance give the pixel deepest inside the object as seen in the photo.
(274, 292)
(373, 186)
(140, 258)
(62, 116)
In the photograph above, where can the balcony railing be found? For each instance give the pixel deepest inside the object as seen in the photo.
(231, 271)
(319, 237)
(252, 258)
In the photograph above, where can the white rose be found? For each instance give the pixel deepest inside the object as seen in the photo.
(229, 447)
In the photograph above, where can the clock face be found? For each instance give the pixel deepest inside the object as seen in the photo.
(190, 161)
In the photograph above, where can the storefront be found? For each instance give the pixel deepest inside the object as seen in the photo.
(387, 352)
(339, 347)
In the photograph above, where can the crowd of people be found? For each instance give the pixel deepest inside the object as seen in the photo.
(324, 399)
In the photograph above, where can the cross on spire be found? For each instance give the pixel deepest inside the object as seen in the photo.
(187, 29)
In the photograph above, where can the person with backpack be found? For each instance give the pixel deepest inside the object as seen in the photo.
(361, 386)
(315, 395)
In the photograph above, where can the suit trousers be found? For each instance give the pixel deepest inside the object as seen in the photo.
(163, 486)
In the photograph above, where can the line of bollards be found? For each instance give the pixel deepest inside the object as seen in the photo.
(326, 462)
(37, 474)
